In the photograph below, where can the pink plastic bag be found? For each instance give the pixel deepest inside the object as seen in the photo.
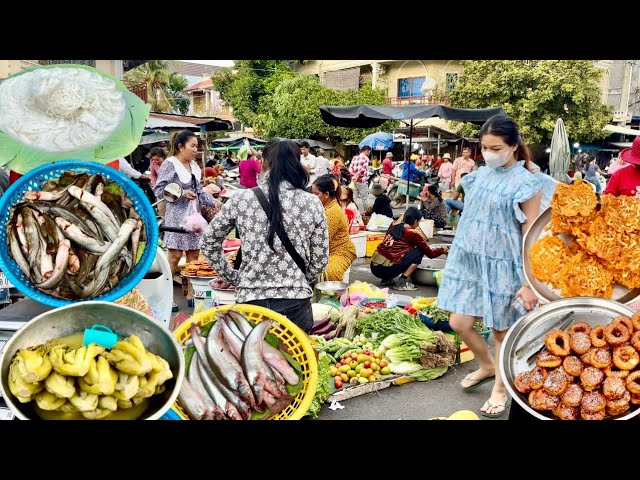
(193, 221)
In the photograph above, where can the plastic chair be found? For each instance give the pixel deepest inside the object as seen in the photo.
(351, 216)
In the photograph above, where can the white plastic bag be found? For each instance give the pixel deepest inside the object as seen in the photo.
(378, 223)
(193, 221)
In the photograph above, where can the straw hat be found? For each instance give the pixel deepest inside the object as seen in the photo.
(446, 155)
(389, 155)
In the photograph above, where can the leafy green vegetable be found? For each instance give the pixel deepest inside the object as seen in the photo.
(114, 189)
(323, 391)
(293, 362)
(272, 340)
(294, 390)
(404, 368)
(388, 322)
(436, 314)
(188, 355)
(204, 330)
(423, 375)
(403, 353)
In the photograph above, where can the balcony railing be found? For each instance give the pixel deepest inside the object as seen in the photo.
(430, 100)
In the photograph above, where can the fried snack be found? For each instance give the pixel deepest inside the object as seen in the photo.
(579, 342)
(572, 365)
(557, 342)
(548, 255)
(198, 268)
(621, 213)
(584, 275)
(556, 382)
(575, 199)
(625, 357)
(572, 396)
(614, 388)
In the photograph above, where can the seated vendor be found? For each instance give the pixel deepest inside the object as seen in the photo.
(382, 203)
(401, 252)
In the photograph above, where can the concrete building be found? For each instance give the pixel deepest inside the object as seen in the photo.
(112, 67)
(622, 89)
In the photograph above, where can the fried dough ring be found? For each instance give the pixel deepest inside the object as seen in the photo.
(584, 415)
(635, 320)
(593, 402)
(572, 365)
(591, 378)
(632, 385)
(579, 327)
(621, 401)
(544, 401)
(572, 396)
(586, 358)
(600, 357)
(635, 340)
(522, 382)
(626, 321)
(613, 388)
(556, 382)
(536, 377)
(613, 371)
(566, 412)
(635, 399)
(597, 336)
(557, 342)
(580, 342)
(625, 357)
(616, 334)
(547, 359)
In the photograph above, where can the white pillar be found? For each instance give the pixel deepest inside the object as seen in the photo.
(375, 67)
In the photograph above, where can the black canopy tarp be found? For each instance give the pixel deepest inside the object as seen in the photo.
(368, 116)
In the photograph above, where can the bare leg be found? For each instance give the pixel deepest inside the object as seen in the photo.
(192, 255)
(499, 394)
(174, 257)
(463, 325)
(412, 268)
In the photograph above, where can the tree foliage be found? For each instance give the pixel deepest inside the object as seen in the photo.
(177, 84)
(164, 87)
(537, 93)
(293, 110)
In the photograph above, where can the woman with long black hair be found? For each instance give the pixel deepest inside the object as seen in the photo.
(433, 207)
(401, 251)
(272, 275)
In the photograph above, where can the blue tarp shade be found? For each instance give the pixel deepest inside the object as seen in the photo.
(589, 147)
(377, 141)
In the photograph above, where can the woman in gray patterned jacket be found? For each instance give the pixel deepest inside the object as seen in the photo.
(268, 276)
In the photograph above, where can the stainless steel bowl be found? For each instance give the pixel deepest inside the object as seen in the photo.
(592, 310)
(423, 275)
(332, 288)
(543, 290)
(75, 318)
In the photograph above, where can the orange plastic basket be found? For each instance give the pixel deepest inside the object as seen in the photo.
(296, 341)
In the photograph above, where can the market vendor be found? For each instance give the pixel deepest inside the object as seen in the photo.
(626, 180)
(401, 251)
(342, 251)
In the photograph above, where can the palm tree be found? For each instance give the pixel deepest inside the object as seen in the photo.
(156, 76)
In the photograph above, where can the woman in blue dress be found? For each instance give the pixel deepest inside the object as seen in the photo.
(484, 270)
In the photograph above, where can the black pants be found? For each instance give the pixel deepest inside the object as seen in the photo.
(297, 310)
(387, 273)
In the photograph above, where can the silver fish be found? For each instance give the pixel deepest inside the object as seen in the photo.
(90, 199)
(62, 259)
(135, 241)
(54, 210)
(103, 221)
(73, 233)
(16, 253)
(33, 239)
(221, 406)
(21, 235)
(121, 240)
(94, 287)
(193, 403)
(253, 364)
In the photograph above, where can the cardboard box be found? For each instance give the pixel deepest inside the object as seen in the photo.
(373, 240)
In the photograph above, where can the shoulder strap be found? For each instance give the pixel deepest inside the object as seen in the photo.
(282, 234)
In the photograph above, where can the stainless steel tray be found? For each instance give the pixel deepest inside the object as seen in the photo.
(592, 310)
(544, 291)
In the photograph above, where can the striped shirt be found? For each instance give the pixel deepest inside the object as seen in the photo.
(359, 168)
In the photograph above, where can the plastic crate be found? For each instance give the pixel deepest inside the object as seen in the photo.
(414, 188)
(296, 341)
(34, 181)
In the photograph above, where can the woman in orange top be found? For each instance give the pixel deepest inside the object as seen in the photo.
(342, 251)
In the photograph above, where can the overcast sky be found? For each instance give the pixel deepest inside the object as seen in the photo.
(222, 63)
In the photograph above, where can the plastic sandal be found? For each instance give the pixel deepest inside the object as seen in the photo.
(174, 307)
(190, 302)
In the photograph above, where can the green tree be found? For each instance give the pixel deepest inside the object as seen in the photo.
(293, 110)
(156, 76)
(177, 84)
(537, 93)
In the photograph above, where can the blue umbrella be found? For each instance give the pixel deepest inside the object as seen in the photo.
(377, 141)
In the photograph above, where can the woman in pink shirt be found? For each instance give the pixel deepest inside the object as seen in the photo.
(445, 172)
(626, 181)
(249, 170)
(157, 156)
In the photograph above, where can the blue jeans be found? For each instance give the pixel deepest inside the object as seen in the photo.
(297, 310)
(594, 180)
(453, 205)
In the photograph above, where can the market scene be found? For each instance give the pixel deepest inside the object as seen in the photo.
(320, 240)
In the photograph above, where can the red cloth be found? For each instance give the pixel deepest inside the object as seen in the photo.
(387, 166)
(210, 172)
(395, 250)
(249, 170)
(625, 181)
(436, 164)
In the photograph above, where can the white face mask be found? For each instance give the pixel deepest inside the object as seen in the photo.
(495, 160)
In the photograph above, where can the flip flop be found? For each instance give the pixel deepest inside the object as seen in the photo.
(473, 386)
(499, 413)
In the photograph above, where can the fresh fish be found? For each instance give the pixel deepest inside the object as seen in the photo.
(53, 210)
(73, 233)
(62, 259)
(73, 265)
(114, 249)
(135, 241)
(33, 239)
(46, 196)
(21, 235)
(230, 394)
(94, 287)
(253, 364)
(48, 232)
(193, 403)
(103, 222)
(16, 253)
(46, 261)
(242, 323)
(89, 198)
(99, 190)
(218, 403)
(231, 339)
(87, 265)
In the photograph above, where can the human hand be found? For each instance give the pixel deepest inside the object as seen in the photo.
(528, 298)
(144, 178)
(189, 195)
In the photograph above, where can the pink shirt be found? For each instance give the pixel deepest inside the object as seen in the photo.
(625, 181)
(445, 171)
(249, 170)
(154, 167)
(615, 166)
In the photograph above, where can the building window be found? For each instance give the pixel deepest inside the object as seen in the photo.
(452, 80)
(410, 87)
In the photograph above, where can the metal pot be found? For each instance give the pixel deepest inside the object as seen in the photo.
(532, 327)
(423, 275)
(75, 318)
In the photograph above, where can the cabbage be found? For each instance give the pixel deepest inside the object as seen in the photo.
(404, 367)
(323, 391)
(22, 158)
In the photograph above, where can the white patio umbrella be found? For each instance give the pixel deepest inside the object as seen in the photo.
(560, 156)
